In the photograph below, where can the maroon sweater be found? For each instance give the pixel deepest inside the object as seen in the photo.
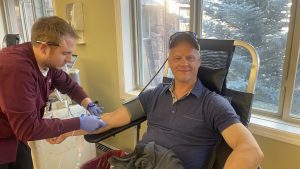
(24, 92)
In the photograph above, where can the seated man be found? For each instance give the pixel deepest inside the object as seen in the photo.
(185, 116)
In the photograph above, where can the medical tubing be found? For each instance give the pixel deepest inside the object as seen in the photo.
(153, 76)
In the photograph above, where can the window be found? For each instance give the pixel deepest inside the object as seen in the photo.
(21, 14)
(264, 24)
(271, 26)
(2, 25)
(296, 97)
(158, 21)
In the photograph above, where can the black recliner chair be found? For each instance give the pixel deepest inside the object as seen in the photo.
(216, 57)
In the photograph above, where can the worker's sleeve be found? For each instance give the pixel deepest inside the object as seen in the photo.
(19, 93)
(63, 82)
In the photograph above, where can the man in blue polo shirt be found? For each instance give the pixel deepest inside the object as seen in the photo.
(185, 116)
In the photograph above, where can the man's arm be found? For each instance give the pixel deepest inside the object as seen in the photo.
(117, 118)
(246, 153)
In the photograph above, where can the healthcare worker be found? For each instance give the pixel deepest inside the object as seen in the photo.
(28, 74)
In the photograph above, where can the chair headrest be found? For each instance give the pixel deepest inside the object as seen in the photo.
(213, 79)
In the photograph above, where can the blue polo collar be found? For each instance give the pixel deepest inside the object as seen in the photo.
(196, 91)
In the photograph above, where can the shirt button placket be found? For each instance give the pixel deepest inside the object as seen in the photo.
(173, 109)
(173, 116)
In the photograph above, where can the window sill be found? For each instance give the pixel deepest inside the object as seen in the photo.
(275, 129)
(259, 125)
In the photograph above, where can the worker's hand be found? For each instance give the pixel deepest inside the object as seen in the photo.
(91, 123)
(56, 140)
(94, 109)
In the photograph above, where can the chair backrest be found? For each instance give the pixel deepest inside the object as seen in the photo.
(10, 39)
(216, 57)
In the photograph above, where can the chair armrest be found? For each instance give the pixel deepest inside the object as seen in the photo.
(94, 138)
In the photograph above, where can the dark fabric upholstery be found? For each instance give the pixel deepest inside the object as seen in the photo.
(213, 79)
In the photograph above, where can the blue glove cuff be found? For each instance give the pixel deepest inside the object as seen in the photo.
(91, 104)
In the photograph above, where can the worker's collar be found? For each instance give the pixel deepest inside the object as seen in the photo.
(44, 71)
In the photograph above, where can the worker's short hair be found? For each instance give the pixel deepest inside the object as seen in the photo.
(51, 30)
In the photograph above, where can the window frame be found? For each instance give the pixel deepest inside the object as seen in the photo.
(3, 22)
(291, 64)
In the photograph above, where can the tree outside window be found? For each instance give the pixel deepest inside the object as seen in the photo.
(264, 24)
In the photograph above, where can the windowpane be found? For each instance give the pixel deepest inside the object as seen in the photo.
(16, 16)
(2, 26)
(21, 15)
(28, 17)
(38, 7)
(159, 19)
(296, 97)
(49, 8)
(264, 24)
(43, 8)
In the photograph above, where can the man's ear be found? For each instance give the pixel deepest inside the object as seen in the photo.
(43, 48)
(200, 61)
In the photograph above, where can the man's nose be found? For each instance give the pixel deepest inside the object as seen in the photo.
(184, 61)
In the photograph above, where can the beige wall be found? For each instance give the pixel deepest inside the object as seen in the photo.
(279, 155)
(97, 59)
(99, 76)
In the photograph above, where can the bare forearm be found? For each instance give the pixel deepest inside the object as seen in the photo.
(118, 118)
(113, 119)
(246, 152)
(244, 157)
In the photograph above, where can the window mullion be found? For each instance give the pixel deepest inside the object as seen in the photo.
(33, 10)
(291, 63)
(3, 18)
(8, 14)
(24, 20)
(193, 15)
(45, 10)
(196, 16)
(136, 33)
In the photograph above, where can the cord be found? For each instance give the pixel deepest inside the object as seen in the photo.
(153, 76)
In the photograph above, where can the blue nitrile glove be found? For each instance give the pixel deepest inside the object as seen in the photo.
(91, 123)
(94, 109)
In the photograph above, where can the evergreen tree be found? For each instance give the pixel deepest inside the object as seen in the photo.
(260, 23)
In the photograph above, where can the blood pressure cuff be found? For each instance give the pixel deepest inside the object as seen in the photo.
(135, 109)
